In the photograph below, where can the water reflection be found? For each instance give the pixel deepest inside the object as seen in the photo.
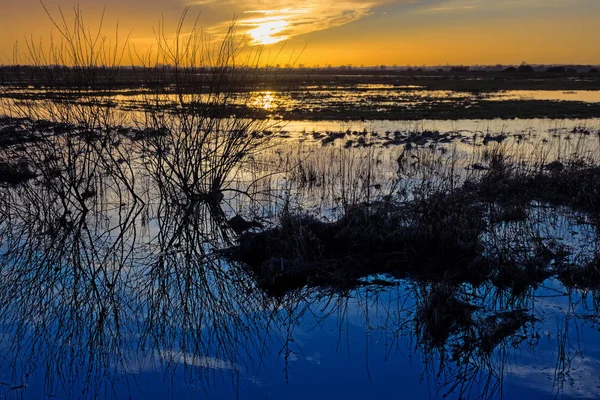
(115, 283)
(586, 96)
(354, 102)
(98, 302)
(265, 100)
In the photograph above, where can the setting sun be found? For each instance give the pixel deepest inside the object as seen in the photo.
(268, 32)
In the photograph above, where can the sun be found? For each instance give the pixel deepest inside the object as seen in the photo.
(268, 32)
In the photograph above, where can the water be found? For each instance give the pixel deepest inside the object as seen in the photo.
(129, 298)
(329, 102)
(135, 301)
(586, 96)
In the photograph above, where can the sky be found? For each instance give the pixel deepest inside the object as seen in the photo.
(344, 32)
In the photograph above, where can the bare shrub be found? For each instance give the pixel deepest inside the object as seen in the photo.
(200, 127)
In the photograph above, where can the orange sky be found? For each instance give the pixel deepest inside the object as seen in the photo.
(357, 32)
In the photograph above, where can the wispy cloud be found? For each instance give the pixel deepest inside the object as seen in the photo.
(581, 383)
(268, 22)
(466, 5)
(200, 361)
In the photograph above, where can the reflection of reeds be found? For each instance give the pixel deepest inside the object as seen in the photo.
(94, 293)
(156, 270)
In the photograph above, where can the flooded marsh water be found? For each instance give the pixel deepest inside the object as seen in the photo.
(386, 257)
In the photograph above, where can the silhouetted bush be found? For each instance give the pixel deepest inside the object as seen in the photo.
(15, 173)
(460, 68)
(524, 68)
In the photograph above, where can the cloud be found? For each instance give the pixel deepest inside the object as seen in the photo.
(581, 382)
(268, 22)
(466, 5)
(200, 361)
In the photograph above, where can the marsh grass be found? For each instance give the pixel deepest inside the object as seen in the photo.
(162, 266)
(444, 228)
(15, 173)
(380, 238)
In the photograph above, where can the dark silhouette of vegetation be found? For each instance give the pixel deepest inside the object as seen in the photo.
(437, 234)
(15, 173)
(524, 68)
(460, 68)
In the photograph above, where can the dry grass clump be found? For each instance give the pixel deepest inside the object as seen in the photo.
(524, 263)
(433, 236)
(443, 233)
(14, 133)
(575, 183)
(14, 173)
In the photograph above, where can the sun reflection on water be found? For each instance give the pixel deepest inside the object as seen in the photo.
(265, 101)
